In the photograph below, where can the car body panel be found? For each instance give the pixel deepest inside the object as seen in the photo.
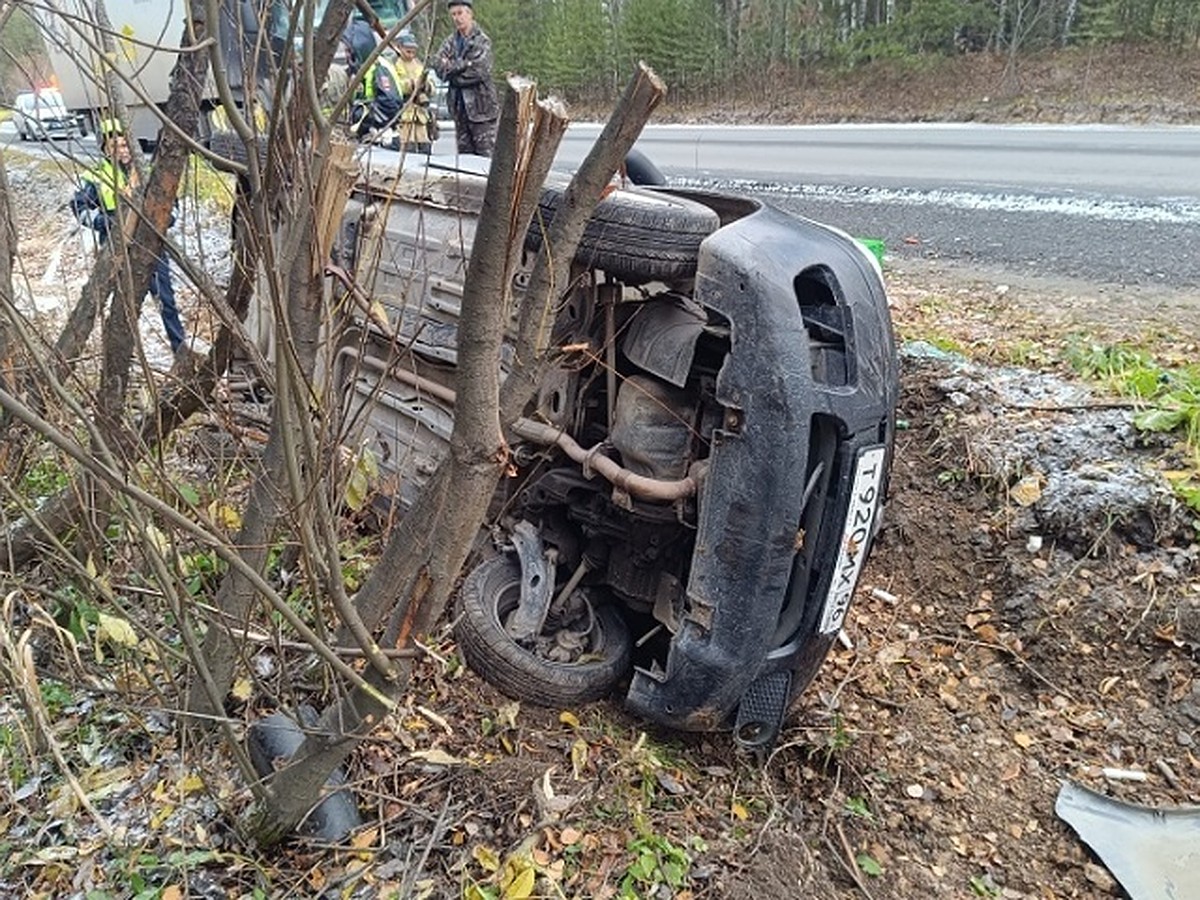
(751, 512)
(41, 115)
(769, 377)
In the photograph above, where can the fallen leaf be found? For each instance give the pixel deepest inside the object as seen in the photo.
(519, 879)
(437, 757)
(739, 811)
(225, 516)
(1022, 740)
(566, 717)
(1027, 491)
(670, 783)
(987, 632)
(158, 538)
(243, 690)
(190, 784)
(487, 858)
(579, 757)
(892, 653)
(47, 855)
(867, 863)
(506, 715)
(115, 630)
(550, 803)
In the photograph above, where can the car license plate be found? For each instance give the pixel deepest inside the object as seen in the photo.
(856, 536)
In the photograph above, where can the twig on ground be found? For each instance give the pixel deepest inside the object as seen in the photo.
(850, 863)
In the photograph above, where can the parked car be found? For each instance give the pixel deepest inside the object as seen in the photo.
(42, 114)
(698, 482)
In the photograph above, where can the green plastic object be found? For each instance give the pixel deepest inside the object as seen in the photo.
(875, 246)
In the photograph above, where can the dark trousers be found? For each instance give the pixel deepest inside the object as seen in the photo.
(163, 291)
(478, 138)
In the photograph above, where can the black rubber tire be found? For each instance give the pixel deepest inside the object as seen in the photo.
(515, 671)
(636, 235)
(228, 145)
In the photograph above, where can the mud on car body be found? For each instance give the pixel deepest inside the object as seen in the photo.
(699, 480)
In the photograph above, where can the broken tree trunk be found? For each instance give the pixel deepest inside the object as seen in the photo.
(549, 281)
(431, 543)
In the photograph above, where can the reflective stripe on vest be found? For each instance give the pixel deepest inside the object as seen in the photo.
(369, 78)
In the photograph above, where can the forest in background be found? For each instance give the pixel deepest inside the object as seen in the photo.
(710, 50)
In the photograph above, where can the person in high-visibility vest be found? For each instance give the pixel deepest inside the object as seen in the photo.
(417, 121)
(377, 101)
(95, 206)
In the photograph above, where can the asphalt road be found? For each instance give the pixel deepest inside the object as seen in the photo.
(1110, 204)
(1143, 162)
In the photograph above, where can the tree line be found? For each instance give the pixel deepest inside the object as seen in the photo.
(704, 48)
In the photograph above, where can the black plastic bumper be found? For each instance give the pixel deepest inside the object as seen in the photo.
(755, 271)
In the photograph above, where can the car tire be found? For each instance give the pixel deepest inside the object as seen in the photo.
(228, 147)
(635, 235)
(490, 589)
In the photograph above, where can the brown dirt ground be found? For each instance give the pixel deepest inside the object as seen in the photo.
(980, 674)
(1098, 84)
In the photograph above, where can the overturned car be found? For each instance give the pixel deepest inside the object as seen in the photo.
(694, 490)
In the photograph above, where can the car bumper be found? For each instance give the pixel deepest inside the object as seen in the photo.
(782, 404)
(58, 128)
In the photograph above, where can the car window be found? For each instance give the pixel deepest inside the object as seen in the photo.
(44, 102)
(51, 100)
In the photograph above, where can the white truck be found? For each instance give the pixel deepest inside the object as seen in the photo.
(146, 36)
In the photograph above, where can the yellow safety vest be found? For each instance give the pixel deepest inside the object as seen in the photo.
(109, 180)
(368, 83)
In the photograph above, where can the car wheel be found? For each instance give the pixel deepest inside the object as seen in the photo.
(635, 235)
(229, 147)
(488, 595)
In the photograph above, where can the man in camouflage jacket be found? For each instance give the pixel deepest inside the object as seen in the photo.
(465, 63)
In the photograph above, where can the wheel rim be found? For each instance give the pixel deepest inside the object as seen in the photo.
(567, 638)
